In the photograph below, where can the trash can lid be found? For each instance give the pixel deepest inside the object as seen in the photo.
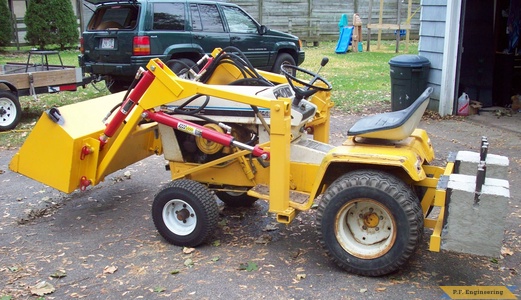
(409, 60)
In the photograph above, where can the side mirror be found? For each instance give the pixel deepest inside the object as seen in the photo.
(263, 30)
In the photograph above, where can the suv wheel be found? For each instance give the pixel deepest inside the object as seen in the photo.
(282, 59)
(182, 66)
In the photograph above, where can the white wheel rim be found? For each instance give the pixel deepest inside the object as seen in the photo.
(7, 111)
(179, 217)
(365, 228)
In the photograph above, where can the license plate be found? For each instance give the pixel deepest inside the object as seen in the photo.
(107, 43)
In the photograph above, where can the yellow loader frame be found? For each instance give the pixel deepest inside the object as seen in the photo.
(72, 155)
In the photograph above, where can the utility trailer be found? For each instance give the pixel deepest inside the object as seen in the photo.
(24, 79)
(243, 135)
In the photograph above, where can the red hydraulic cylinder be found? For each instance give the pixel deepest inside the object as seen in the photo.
(127, 106)
(191, 128)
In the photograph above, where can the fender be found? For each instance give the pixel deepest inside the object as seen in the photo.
(10, 86)
(184, 48)
(406, 155)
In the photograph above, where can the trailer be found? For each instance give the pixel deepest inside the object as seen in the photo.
(25, 79)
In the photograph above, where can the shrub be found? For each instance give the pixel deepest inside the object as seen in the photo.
(66, 23)
(6, 25)
(50, 22)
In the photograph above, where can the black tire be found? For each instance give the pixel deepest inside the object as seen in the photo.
(282, 58)
(10, 111)
(237, 199)
(181, 67)
(369, 222)
(185, 213)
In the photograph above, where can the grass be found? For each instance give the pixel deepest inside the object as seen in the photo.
(360, 82)
(361, 79)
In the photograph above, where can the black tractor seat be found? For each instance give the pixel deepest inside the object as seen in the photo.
(396, 125)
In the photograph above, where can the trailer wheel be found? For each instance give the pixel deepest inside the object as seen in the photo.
(369, 222)
(10, 111)
(185, 213)
(236, 199)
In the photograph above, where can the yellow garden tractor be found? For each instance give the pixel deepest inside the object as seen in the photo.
(240, 134)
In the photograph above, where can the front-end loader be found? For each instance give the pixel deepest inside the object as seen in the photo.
(241, 134)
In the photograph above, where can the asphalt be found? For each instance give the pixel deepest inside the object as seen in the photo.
(102, 244)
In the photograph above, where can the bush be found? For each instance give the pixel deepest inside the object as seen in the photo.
(6, 25)
(51, 22)
(66, 24)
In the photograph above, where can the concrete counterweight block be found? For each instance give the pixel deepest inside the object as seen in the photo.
(476, 221)
(467, 161)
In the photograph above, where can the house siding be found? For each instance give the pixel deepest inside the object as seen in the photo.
(431, 43)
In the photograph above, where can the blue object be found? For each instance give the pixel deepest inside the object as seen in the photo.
(403, 32)
(343, 22)
(344, 40)
(360, 47)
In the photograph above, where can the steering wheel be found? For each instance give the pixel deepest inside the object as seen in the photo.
(310, 87)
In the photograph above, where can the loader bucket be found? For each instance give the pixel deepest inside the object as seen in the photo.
(66, 155)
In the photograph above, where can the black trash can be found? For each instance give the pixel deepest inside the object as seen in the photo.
(409, 75)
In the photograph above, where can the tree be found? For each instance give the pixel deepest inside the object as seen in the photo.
(6, 25)
(66, 23)
(51, 22)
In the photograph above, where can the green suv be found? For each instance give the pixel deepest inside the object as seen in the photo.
(122, 36)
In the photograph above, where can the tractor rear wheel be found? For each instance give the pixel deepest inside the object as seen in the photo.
(369, 222)
(185, 213)
(236, 199)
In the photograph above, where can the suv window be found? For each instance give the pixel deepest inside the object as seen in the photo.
(113, 17)
(169, 16)
(238, 21)
(205, 17)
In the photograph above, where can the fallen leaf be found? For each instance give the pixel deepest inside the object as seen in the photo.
(159, 289)
(301, 276)
(381, 289)
(110, 269)
(271, 227)
(189, 263)
(506, 251)
(216, 243)
(363, 291)
(187, 250)
(176, 271)
(249, 266)
(59, 274)
(216, 258)
(42, 288)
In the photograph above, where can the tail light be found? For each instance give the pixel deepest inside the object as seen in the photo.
(82, 48)
(141, 45)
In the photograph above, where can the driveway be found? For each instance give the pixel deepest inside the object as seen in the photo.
(102, 244)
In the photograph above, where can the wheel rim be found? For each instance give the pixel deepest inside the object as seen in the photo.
(365, 228)
(179, 217)
(7, 111)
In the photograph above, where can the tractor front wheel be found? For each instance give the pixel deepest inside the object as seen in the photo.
(369, 222)
(185, 213)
